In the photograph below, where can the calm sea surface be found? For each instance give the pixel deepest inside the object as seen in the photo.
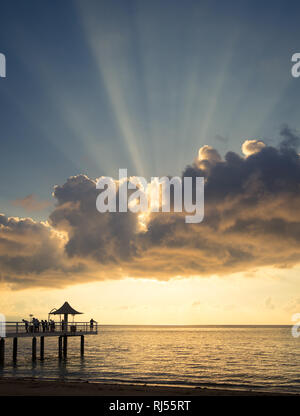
(261, 358)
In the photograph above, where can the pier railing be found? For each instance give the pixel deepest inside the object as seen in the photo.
(48, 328)
(61, 330)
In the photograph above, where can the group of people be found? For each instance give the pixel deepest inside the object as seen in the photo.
(49, 326)
(36, 326)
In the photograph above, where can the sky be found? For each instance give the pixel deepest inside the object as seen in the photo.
(94, 86)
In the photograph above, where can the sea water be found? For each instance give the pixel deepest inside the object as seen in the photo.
(234, 357)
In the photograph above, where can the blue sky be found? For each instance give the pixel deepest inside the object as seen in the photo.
(94, 86)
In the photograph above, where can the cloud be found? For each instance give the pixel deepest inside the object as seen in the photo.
(252, 219)
(290, 138)
(27, 250)
(31, 203)
(207, 158)
(209, 154)
(107, 238)
(250, 147)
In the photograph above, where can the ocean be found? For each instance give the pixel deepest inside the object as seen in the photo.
(263, 358)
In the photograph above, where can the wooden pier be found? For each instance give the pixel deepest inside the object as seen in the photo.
(62, 330)
(17, 330)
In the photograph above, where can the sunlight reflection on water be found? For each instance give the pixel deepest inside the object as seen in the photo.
(260, 358)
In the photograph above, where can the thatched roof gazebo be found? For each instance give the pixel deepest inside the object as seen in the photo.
(66, 309)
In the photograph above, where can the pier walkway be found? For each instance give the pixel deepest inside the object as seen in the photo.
(18, 329)
(63, 331)
(43, 329)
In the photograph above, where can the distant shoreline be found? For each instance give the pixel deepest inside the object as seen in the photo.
(199, 326)
(38, 387)
(14, 319)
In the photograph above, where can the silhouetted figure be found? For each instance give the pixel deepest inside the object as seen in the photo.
(52, 325)
(63, 325)
(26, 325)
(34, 324)
(92, 324)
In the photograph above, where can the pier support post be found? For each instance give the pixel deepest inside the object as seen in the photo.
(42, 344)
(65, 347)
(81, 344)
(2, 349)
(60, 347)
(33, 348)
(15, 349)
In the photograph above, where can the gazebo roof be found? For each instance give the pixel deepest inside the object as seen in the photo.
(66, 309)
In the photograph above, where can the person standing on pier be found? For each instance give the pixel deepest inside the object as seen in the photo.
(26, 324)
(52, 325)
(43, 325)
(34, 324)
(92, 324)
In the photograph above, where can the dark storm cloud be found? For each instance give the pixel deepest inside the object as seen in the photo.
(31, 253)
(290, 138)
(252, 219)
(105, 237)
